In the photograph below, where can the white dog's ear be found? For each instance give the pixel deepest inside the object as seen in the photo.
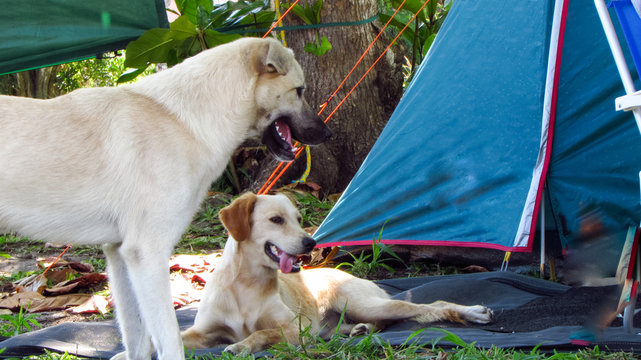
(275, 59)
(237, 216)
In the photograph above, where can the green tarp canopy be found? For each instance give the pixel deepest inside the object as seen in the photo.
(38, 33)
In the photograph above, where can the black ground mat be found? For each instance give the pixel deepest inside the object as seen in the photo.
(528, 312)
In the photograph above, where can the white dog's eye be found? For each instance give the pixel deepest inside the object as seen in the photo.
(277, 220)
(299, 91)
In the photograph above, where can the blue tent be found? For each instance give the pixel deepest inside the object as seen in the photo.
(513, 104)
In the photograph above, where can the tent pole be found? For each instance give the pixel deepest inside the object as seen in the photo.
(619, 59)
(542, 234)
(628, 85)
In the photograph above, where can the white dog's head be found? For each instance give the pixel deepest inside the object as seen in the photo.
(267, 229)
(285, 115)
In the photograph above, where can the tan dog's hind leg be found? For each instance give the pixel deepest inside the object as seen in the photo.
(365, 302)
(377, 310)
(443, 310)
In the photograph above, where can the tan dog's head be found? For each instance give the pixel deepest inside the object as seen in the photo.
(267, 229)
(279, 96)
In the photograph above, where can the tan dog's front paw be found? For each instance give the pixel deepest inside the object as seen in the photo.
(478, 314)
(360, 329)
(237, 349)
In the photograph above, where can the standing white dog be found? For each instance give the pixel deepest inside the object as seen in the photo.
(127, 167)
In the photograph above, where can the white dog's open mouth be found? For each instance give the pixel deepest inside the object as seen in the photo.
(278, 139)
(287, 262)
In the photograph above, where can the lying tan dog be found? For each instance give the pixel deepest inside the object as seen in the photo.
(251, 305)
(128, 167)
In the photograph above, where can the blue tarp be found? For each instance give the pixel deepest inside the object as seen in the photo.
(457, 162)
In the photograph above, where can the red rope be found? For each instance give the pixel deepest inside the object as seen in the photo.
(268, 186)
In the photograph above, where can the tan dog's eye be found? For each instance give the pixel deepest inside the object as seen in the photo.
(277, 220)
(299, 91)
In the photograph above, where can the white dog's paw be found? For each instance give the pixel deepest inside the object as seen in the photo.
(478, 314)
(360, 329)
(237, 349)
(120, 356)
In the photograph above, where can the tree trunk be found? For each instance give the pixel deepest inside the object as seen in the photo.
(358, 122)
(38, 83)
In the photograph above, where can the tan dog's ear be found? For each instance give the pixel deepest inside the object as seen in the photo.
(237, 216)
(274, 59)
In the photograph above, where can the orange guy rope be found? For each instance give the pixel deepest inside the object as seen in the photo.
(280, 18)
(56, 259)
(324, 105)
(264, 189)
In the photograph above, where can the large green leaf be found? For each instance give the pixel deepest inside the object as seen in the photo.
(318, 49)
(302, 14)
(215, 38)
(428, 43)
(202, 17)
(189, 8)
(131, 74)
(150, 47)
(316, 10)
(413, 6)
(408, 34)
(182, 28)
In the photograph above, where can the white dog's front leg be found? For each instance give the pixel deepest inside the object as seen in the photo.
(149, 275)
(134, 334)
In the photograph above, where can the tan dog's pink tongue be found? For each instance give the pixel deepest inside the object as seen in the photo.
(286, 262)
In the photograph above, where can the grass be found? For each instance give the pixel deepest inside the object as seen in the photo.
(367, 264)
(16, 324)
(373, 346)
(206, 233)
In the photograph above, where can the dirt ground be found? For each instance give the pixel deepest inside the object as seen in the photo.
(187, 275)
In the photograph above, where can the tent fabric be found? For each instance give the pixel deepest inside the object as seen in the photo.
(457, 163)
(37, 33)
(529, 312)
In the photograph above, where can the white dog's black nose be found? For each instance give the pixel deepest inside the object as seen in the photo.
(308, 244)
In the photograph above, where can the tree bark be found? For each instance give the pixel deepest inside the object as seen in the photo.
(38, 83)
(359, 121)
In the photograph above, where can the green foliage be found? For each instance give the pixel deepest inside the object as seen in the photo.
(201, 25)
(48, 355)
(421, 32)
(17, 276)
(368, 264)
(312, 209)
(89, 73)
(205, 232)
(8, 239)
(310, 14)
(15, 324)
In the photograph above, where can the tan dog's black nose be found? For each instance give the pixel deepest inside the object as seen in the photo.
(308, 244)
